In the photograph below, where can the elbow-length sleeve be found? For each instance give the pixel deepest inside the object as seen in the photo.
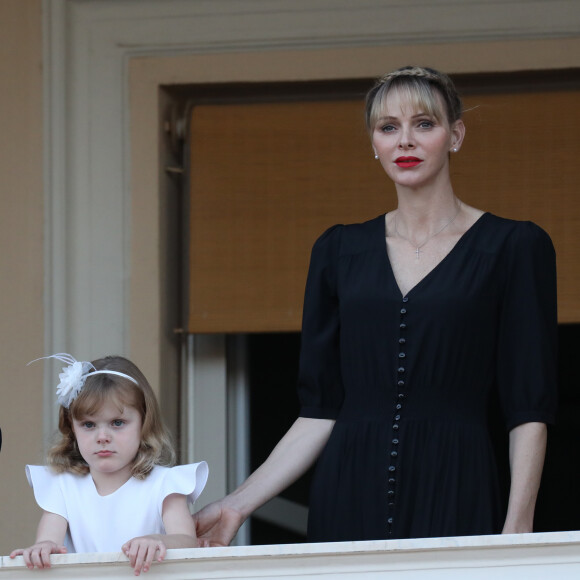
(320, 387)
(527, 345)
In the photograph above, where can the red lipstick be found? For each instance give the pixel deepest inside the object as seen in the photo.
(407, 161)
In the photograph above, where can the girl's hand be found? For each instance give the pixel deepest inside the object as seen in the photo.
(39, 554)
(141, 552)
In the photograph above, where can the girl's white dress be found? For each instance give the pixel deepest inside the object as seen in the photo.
(104, 523)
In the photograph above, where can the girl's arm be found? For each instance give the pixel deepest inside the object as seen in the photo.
(527, 451)
(180, 533)
(218, 523)
(49, 540)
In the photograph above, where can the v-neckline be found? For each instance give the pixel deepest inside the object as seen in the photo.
(93, 486)
(431, 272)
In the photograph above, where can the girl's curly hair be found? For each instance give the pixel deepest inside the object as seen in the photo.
(156, 446)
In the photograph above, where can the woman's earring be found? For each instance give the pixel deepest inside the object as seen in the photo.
(376, 156)
(454, 149)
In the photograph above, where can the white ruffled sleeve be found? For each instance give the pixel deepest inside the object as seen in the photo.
(188, 480)
(47, 488)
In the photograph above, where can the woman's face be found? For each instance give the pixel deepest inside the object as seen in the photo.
(412, 146)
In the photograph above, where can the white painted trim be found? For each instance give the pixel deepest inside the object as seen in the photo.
(525, 557)
(206, 416)
(54, 176)
(185, 26)
(186, 408)
(86, 198)
(238, 423)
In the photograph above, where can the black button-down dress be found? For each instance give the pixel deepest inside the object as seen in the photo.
(409, 378)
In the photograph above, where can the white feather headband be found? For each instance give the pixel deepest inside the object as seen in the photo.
(73, 377)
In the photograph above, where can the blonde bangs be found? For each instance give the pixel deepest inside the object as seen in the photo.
(101, 389)
(418, 94)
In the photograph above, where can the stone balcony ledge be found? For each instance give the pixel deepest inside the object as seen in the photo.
(523, 556)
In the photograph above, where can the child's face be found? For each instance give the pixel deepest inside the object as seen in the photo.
(109, 441)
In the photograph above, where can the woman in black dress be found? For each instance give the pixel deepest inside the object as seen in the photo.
(411, 321)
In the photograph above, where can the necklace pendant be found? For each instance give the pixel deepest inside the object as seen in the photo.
(418, 248)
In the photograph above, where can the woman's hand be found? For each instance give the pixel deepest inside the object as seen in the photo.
(216, 524)
(39, 554)
(143, 550)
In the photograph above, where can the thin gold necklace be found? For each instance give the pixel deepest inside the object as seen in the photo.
(418, 248)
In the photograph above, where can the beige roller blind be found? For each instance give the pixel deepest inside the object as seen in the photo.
(267, 179)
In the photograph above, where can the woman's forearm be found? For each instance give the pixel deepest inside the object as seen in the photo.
(291, 458)
(527, 452)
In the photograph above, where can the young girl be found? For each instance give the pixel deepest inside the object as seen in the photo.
(108, 484)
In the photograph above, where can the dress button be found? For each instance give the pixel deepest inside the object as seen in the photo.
(392, 468)
(405, 299)
(402, 340)
(401, 369)
(390, 493)
(402, 326)
(401, 384)
(401, 395)
(395, 427)
(395, 441)
(390, 521)
(397, 417)
(394, 454)
(392, 480)
(398, 406)
(403, 311)
(402, 355)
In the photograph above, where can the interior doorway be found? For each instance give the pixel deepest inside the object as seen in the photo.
(272, 374)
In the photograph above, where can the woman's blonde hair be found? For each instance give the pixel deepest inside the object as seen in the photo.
(155, 447)
(419, 86)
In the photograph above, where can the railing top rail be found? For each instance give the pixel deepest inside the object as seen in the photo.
(450, 558)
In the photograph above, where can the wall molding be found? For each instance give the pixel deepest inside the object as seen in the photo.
(150, 26)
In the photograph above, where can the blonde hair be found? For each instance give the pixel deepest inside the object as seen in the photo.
(155, 447)
(420, 86)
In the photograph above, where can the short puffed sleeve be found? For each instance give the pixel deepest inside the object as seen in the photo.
(527, 345)
(320, 388)
(188, 480)
(48, 489)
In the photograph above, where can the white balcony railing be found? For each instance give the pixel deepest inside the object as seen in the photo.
(525, 556)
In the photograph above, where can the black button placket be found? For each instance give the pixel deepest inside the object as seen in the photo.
(398, 406)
